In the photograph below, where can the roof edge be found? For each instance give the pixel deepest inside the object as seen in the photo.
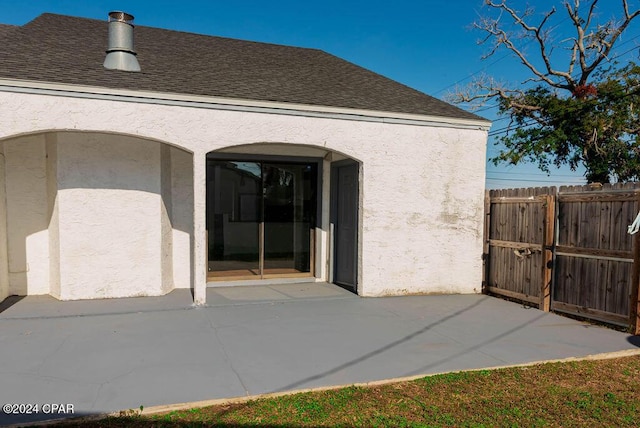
(220, 103)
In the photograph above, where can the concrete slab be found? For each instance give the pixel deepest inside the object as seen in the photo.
(47, 306)
(110, 355)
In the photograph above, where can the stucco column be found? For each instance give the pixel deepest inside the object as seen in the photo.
(4, 257)
(199, 229)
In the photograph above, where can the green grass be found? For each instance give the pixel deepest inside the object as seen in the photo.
(580, 394)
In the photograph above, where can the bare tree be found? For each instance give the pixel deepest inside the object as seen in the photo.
(577, 106)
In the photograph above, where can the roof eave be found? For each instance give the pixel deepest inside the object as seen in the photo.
(220, 103)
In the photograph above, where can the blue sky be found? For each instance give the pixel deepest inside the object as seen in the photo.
(427, 44)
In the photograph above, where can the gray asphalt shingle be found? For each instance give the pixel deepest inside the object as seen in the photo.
(64, 49)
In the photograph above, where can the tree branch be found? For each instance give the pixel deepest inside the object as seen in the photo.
(597, 123)
(532, 32)
(601, 43)
(577, 23)
(483, 89)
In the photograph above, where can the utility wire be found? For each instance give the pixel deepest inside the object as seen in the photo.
(506, 129)
(525, 173)
(506, 55)
(550, 180)
(530, 122)
(475, 73)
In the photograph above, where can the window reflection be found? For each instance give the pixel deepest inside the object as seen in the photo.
(260, 217)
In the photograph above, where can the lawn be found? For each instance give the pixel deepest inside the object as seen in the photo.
(578, 393)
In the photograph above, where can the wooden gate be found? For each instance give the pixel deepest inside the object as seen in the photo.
(594, 261)
(589, 266)
(518, 252)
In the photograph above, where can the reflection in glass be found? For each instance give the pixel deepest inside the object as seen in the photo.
(234, 197)
(289, 213)
(260, 218)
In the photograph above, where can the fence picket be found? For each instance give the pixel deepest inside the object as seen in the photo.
(595, 272)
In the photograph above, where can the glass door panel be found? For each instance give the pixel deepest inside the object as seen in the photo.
(261, 219)
(289, 217)
(234, 216)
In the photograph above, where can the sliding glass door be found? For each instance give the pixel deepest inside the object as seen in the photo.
(260, 218)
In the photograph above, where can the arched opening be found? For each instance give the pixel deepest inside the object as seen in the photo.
(94, 215)
(273, 214)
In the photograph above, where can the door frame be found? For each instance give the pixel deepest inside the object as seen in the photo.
(335, 189)
(245, 157)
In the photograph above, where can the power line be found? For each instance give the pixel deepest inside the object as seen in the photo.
(507, 128)
(530, 122)
(527, 173)
(487, 108)
(512, 180)
(474, 73)
(523, 46)
(506, 55)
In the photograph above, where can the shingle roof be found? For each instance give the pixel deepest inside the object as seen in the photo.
(5, 29)
(64, 49)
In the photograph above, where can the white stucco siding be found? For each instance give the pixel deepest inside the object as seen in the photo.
(166, 231)
(422, 230)
(110, 216)
(27, 215)
(182, 216)
(51, 141)
(4, 257)
(421, 195)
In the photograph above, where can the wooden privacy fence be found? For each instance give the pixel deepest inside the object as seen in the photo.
(566, 250)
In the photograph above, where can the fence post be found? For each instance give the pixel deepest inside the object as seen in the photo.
(547, 251)
(634, 297)
(485, 243)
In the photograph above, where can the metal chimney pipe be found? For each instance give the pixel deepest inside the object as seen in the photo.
(120, 53)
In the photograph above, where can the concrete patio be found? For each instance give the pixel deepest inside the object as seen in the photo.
(109, 355)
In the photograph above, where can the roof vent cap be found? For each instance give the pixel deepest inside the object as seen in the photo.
(120, 53)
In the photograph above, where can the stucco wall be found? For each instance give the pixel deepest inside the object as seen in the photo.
(182, 217)
(166, 231)
(422, 187)
(111, 216)
(422, 228)
(90, 215)
(4, 259)
(51, 141)
(27, 215)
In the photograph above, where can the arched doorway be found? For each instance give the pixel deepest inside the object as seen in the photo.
(270, 215)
